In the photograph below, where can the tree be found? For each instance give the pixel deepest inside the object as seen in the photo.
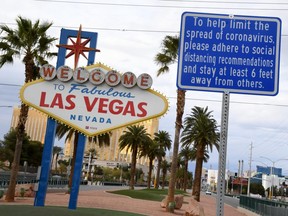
(165, 166)
(187, 154)
(91, 153)
(150, 151)
(133, 138)
(62, 130)
(31, 151)
(162, 138)
(56, 151)
(200, 130)
(31, 42)
(168, 56)
(8, 147)
(257, 188)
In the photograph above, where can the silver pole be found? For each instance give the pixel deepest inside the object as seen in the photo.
(249, 175)
(222, 154)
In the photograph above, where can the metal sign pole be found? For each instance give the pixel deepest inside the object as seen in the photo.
(222, 154)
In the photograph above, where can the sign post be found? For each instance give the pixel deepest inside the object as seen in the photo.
(222, 154)
(229, 54)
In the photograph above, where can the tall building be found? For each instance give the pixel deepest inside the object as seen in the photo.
(110, 155)
(106, 155)
(268, 170)
(35, 125)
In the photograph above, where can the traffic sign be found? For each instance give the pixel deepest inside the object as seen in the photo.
(229, 53)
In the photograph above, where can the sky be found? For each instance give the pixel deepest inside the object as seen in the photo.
(129, 37)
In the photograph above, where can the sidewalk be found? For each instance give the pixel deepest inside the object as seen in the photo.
(102, 199)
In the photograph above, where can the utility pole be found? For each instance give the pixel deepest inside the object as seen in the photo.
(249, 175)
(242, 168)
(241, 176)
(227, 178)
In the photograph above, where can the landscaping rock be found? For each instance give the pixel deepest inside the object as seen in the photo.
(178, 201)
(28, 190)
(194, 209)
(163, 203)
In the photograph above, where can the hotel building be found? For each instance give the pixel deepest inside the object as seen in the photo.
(107, 156)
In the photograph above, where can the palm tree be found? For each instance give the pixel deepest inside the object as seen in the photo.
(133, 139)
(91, 153)
(187, 154)
(31, 42)
(168, 56)
(150, 151)
(56, 151)
(165, 166)
(162, 138)
(201, 130)
(62, 130)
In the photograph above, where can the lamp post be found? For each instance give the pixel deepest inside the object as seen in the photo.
(272, 171)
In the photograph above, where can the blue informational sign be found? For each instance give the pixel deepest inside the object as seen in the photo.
(229, 53)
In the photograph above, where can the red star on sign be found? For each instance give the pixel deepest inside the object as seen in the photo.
(78, 48)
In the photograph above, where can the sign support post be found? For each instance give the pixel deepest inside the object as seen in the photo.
(46, 162)
(77, 171)
(222, 154)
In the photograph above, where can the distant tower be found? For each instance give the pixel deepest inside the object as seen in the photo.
(239, 165)
(242, 168)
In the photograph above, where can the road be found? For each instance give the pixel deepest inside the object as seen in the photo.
(232, 201)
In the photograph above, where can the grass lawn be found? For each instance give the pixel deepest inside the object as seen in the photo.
(26, 210)
(147, 194)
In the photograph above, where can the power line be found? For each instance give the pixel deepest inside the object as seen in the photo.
(195, 99)
(108, 29)
(230, 2)
(116, 29)
(5, 84)
(237, 102)
(156, 6)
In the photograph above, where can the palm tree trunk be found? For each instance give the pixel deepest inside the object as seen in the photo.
(149, 173)
(57, 155)
(163, 180)
(133, 168)
(158, 172)
(178, 126)
(90, 168)
(198, 171)
(185, 176)
(10, 194)
(73, 160)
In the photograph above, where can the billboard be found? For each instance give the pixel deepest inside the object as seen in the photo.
(95, 99)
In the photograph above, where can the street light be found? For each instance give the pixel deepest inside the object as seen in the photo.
(271, 172)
